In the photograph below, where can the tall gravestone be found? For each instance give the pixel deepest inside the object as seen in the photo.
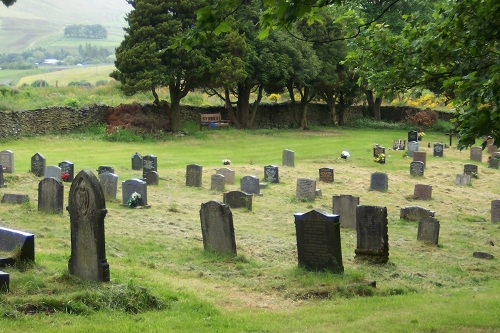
(131, 186)
(149, 163)
(412, 136)
(217, 227)
(229, 174)
(38, 164)
(412, 147)
(417, 168)
(109, 184)
(422, 192)
(50, 196)
(345, 206)
(476, 154)
(470, 169)
(495, 211)
(250, 185)
(53, 171)
(238, 199)
(288, 158)
(271, 174)
(217, 183)
(306, 189)
(318, 241)
(379, 182)
(438, 150)
(87, 210)
(136, 161)
(194, 173)
(428, 230)
(326, 175)
(105, 168)
(2, 180)
(372, 234)
(7, 160)
(67, 168)
(420, 156)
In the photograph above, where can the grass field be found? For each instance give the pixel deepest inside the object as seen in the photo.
(162, 280)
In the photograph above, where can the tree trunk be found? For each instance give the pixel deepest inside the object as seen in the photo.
(255, 106)
(341, 109)
(304, 103)
(330, 104)
(244, 105)
(229, 108)
(376, 111)
(374, 104)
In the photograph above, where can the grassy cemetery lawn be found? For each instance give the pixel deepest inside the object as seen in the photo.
(163, 281)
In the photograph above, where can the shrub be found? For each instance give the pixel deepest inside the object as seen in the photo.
(82, 83)
(40, 83)
(423, 118)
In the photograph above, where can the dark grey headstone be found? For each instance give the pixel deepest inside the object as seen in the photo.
(229, 174)
(412, 136)
(470, 169)
(372, 234)
(109, 184)
(483, 255)
(476, 154)
(50, 196)
(318, 241)
(420, 156)
(217, 183)
(250, 185)
(7, 160)
(428, 230)
(379, 182)
(4, 282)
(463, 179)
(306, 189)
(438, 150)
(38, 164)
(2, 179)
(131, 186)
(415, 213)
(149, 163)
(495, 211)
(217, 227)
(105, 168)
(288, 158)
(152, 178)
(194, 173)
(87, 210)
(136, 161)
(377, 150)
(67, 168)
(238, 199)
(15, 198)
(422, 192)
(493, 163)
(53, 171)
(15, 240)
(417, 168)
(345, 206)
(271, 174)
(412, 147)
(326, 175)
(399, 145)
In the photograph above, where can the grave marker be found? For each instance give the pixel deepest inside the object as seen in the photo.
(15, 240)
(2, 180)
(495, 211)
(68, 169)
(229, 174)
(217, 183)
(476, 154)
(306, 189)
(379, 154)
(217, 227)
(415, 213)
(345, 206)
(131, 186)
(412, 147)
(438, 150)
(463, 179)
(238, 199)
(15, 198)
(149, 163)
(50, 196)
(152, 178)
(493, 163)
(271, 174)
(379, 182)
(417, 168)
(372, 234)
(53, 171)
(428, 230)
(38, 164)
(4, 282)
(412, 136)
(326, 175)
(7, 160)
(136, 161)
(250, 185)
(470, 169)
(105, 168)
(288, 158)
(399, 145)
(194, 174)
(420, 156)
(422, 192)
(109, 184)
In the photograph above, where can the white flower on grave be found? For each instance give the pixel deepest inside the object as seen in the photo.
(135, 196)
(345, 154)
(226, 162)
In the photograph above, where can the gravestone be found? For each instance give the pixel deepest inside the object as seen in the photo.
(152, 178)
(420, 156)
(438, 150)
(318, 241)
(492, 149)
(217, 227)
(217, 183)
(2, 180)
(422, 192)
(412, 136)
(428, 230)
(417, 168)
(238, 199)
(415, 213)
(495, 211)
(326, 175)
(132, 186)
(51, 196)
(470, 169)
(87, 210)
(67, 168)
(15, 198)
(463, 179)
(105, 168)
(194, 174)
(345, 206)
(476, 154)
(288, 158)
(136, 161)
(229, 174)
(7, 160)
(38, 164)
(271, 174)
(412, 147)
(53, 171)
(306, 189)
(372, 234)
(149, 163)
(493, 163)
(250, 185)
(399, 145)
(23, 243)
(379, 182)
(379, 153)
(4, 282)
(109, 184)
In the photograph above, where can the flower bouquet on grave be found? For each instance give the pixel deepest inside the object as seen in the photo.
(135, 200)
(226, 162)
(380, 158)
(65, 176)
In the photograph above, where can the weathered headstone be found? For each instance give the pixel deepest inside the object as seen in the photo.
(428, 230)
(109, 184)
(438, 150)
(105, 168)
(271, 174)
(463, 179)
(152, 178)
(136, 161)
(288, 158)
(412, 147)
(492, 149)
(372, 234)
(7, 160)
(194, 173)
(87, 210)
(15, 198)
(420, 156)
(422, 192)
(306, 189)
(53, 171)
(470, 169)
(2, 180)
(4, 282)
(238, 199)
(399, 145)
(217, 227)
(495, 211)
(50, 196)
(149, 163)
(483, 255)
(415, 213)
(318, 241)
(417, 168)
(131, 186)
(217, 183)
(38, 164)
(412, 136)
(229, 174)
(379, 182)
(326, 175)
(67, 168)
(493, 163)
(15, 240)
(476, 154)
(345, 206)
(250, 185)
(379, 154)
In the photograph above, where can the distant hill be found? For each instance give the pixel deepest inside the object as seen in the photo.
(40, 23)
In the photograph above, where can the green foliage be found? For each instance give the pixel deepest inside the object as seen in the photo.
(82, 83)
(39, 83)
(377, 124)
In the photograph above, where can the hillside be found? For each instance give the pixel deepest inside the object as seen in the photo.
(40, 23)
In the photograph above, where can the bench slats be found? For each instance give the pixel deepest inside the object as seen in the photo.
(209, 120)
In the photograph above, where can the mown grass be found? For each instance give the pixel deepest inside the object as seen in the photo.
(158, 252)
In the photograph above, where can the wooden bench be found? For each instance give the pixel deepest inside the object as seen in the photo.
(212, 120)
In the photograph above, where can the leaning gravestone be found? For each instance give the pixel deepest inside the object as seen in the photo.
(217, 183)
(271, 174)
(2, 180)
(417, 168)
(422, 192)
(67, 168)
(38, 163)
(50, 196)
(15, 198)
(463, 179)
(136, 161)
(372, 234)
(420, 156)
(109, 184)
(288, 158)
(379, 182)
(345, 206)
(217, 227)
(412, 147)
(412, 136)
(326, 175)
(194, 173)
(152, 178)
(53, 171)
(415, 213)
(495, 211)
(318, 241)
(23, 243)
(105, 168)
(476, 154)
(428, 230)
(438, 150)
(238, 199)
(7, 160)
(250, 185)
(228, 174)
(131, 186)
(149, 163)
(306, 189)
(87, 210)
(470, 169)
